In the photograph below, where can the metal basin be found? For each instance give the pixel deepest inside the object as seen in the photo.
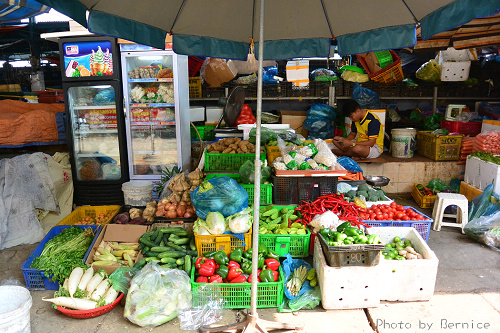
(377, 180)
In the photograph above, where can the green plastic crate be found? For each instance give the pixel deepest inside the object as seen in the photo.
(205, 133)
(237, 295)
(296, 245)
(228, 162)
(266, 190)
(384, 58)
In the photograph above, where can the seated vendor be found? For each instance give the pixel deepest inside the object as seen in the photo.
(370, 133)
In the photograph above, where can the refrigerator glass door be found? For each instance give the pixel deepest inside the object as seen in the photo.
(151, 121)
(95, 133)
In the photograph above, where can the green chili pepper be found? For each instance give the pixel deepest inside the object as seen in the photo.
(222, 271)
(344, 225)
(353, 231)
(221, 258)
(236, 255)
(271, 254)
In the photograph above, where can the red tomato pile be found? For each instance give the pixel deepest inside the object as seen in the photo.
(392, 212)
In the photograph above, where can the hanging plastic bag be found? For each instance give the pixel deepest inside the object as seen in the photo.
(319, 110)
(289, 265)
(219, 194)
(247, 173)
(485, 230)
(156, 295)
(429, 71)
(323, 74)
(349, 164)
(353, 76)
(366, 98)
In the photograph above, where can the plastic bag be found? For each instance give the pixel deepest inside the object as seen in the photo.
(105, 97)
(433, 122)
(326, 157)
(122, 278)
(321, 134)
(289, 265)
(219, 194)
(366, 98)
(247, 173)
(289, 136)
(429, 71)
(317, 124)
(266, 135)
(323, 74)
(268, 75)
(349, 164)
(210, 313)
(307, 301)
(156, 295)
(484, 204)
(319, 110)
(437, 185)
(353, 76)
(485, 230)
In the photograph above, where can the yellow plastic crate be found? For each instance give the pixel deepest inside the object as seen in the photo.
(469, 190)
(194, 87)
(225, 242)
(439, 147)
(272, 153)
(423, 201)
(82, 212)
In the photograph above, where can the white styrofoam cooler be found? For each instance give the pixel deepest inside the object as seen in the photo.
(350, 287)
(197, 113)
(454, 64)
(406, 280)
(246, 128)
(481, 173)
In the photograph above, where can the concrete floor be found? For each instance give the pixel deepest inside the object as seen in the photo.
(466, 298)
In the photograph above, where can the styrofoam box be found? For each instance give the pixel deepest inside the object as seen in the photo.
(275, 127)
(297, 71)
(454, 64)
(481, 173)
(350, 287)
(213, 115)
(406, 280)
(383, 202)
(197, 113)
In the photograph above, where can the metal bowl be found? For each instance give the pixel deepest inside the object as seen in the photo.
(377, 180)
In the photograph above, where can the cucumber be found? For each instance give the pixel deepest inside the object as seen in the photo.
(146, 241)
(161, 249)
(175, 246)
(181, 241)
(158, 238)
(140, 264)
(179, 261)
(173, 237)
(169, 266)
(192, 244)
(192, 253)
(168, 260)
(171, 254)
(141, 246)
(176, 230)
(187, 264)
(150, 254)
(145, 249)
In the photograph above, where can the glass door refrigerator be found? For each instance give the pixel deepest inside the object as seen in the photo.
(95, 119)
(156, 97)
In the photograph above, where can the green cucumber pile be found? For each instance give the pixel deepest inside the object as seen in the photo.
(169, 248)
(279, 221)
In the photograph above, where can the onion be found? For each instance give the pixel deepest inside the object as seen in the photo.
(182, 203)
(167, 205)
(181, 211)
(187, 214)
(190, 210)
(171, 214)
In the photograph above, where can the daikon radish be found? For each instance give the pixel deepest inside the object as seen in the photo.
(94, 282)
(100, 290)
(74, 280)
(110, 295)
(86, 278)
(65, 284)
(73, 303)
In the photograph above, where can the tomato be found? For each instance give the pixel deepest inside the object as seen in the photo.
(405, 218)
(385, 216)
(391, 215)
(378, 211)
(379, 217)
(399, 215)
(419, 218)
(372, 217)
(393, 204)
(400, 208)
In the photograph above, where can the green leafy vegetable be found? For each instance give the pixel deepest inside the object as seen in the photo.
(488, 157)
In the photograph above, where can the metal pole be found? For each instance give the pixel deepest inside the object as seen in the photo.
(434, 99)
(258, 163)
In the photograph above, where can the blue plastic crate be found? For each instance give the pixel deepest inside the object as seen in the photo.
(423, 227)
(36, 279)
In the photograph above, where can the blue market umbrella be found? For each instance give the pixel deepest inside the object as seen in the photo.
(16, 10)
(289, 28)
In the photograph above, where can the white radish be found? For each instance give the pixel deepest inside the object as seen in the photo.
(110, 295)
(94, 281)
(86, 278)
(74, 280)
(65, 284)
(100, 290)
(73, 303)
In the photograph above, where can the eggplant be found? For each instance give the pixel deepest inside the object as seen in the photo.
(138, 220)
(122, 218)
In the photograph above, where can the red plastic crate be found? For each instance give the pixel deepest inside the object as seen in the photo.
(50, 96)
(471, 128)
(194, 65)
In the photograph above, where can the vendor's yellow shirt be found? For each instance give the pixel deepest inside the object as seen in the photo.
(368, 128)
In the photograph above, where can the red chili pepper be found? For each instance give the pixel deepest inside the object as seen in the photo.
(272, 264)
(233, 264)
(199, 261)
(234, 273)
(207, 268)
(215, 279)
(202, 279)
(239, 279)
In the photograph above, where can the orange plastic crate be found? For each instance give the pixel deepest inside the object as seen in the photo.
(391, 73)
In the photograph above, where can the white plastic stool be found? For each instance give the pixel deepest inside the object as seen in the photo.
(444, 200)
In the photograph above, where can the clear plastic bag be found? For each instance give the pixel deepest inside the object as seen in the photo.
(247, 173)
(307, 301)
(157, 295)
(429, 71)
(219, 194)
(317, 124)
(367, 98)
(122, 278)
(485, 230)
(326, 157)
(289, 265)
(210, 313)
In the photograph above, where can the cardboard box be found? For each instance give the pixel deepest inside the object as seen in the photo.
(219, 71)
(295, 120)
(371, 62)
(297, 72)
(129, 233)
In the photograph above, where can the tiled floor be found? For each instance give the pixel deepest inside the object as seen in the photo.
(403, 173)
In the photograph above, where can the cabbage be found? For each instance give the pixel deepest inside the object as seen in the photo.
(241, 222)
(200, 227)
(215, 223)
